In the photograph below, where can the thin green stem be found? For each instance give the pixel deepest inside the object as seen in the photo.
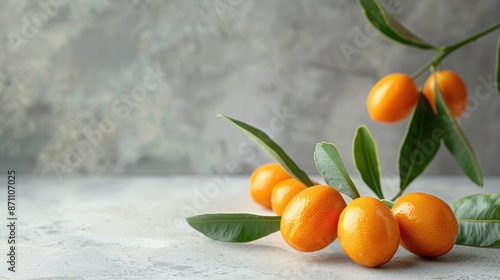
(447, 50)
(472, 38)
(433, 61)
(432, 68)
(422, 69)
(397, 195)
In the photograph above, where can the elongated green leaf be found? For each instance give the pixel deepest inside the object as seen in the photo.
(478, 218)
(366, 159)
(498, 65)
(456, 142)
(389, 26)
(332, 169)
(235, 227)
(420, 145)
(272, 149)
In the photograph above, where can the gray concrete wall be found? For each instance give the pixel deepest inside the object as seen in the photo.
(80, 93)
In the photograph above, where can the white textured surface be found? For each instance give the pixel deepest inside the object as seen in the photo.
(134, 228)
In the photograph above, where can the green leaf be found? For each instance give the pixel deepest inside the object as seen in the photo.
(498, 65)
(332, 169)
(366, 159)
(272, 149)
(235, 227)
(478, 218)
(389, 26)
(456, 142)
(420, 145)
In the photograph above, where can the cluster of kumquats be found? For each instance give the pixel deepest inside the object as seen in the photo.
(368, 230)
(394, 96)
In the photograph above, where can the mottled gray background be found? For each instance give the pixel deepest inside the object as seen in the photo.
(71, 75)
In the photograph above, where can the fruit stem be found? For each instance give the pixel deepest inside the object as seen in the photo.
(397, 195)
(422, 69)
(446, 50)
(471, 38)
(388, 203)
